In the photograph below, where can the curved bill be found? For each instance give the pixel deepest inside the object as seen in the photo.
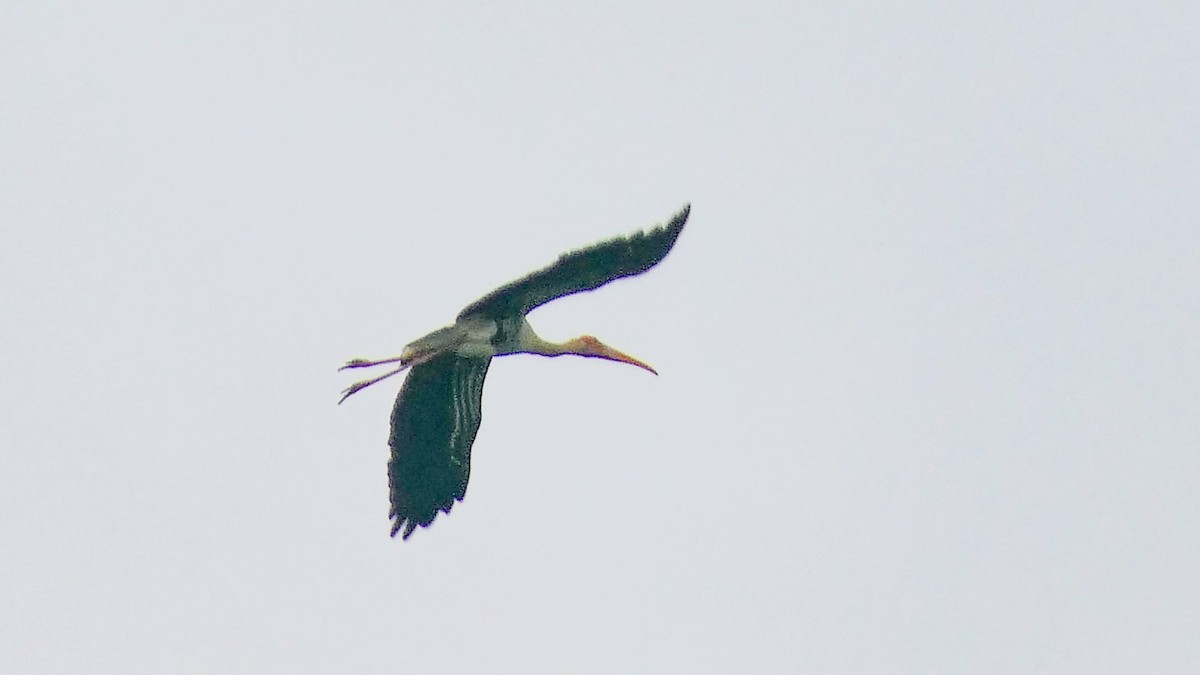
(603, 351)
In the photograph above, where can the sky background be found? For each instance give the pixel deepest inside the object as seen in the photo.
(929, 346)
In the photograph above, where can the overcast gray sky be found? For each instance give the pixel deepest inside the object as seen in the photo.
(929, 346)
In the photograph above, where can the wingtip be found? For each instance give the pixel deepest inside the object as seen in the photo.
(674, 227)
(403, 524)
(683, 212)
(679, 219)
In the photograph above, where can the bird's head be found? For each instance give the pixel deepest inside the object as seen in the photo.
(586, 345)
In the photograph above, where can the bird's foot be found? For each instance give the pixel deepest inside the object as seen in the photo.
(359, 386)
(354, 388)
(366, 363)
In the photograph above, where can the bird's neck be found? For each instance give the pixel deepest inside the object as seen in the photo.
(528, 342)
(534, 344)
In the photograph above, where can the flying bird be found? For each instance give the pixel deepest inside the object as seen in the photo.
(437, 412)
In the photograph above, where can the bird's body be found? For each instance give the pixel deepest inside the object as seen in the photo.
(437, 412)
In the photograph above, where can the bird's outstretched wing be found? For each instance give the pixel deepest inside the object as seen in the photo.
(433, 426)
(582, 270)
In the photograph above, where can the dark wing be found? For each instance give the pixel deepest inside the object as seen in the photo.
(582, 270)
(433, 426)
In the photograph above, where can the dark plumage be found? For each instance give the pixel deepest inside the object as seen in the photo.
(434, 423)
(584, 270)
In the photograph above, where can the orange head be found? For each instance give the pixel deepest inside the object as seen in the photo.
(586, 345)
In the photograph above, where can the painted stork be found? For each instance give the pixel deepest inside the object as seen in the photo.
(437, 412)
